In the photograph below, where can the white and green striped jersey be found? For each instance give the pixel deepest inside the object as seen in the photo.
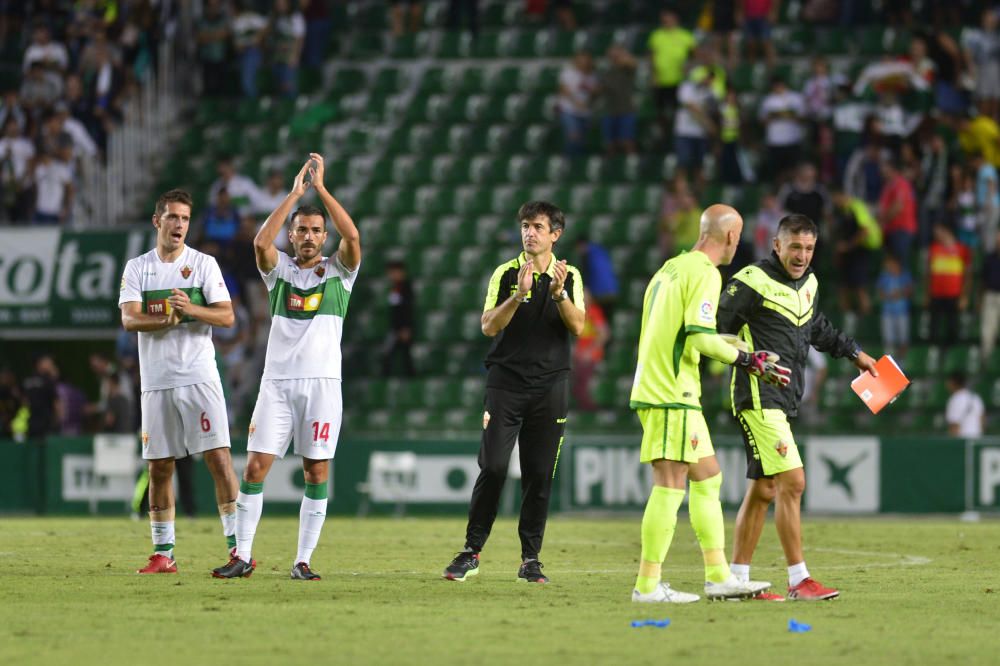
(180, 355)
(308, 306)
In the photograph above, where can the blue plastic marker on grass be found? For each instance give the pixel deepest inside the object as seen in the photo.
(798, 627)
(661, 624)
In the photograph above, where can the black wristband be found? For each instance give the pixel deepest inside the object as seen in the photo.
(855, 353)
(743, 359)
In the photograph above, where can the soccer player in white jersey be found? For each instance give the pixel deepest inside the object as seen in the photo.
(300, 395)
(173, 295)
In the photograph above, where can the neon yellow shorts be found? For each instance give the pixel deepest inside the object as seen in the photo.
(680, 435)
(769, 442)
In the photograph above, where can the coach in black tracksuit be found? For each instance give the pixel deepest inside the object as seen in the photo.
(534, 306)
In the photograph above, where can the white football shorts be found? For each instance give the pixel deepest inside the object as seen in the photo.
(180, 421)
(308, 411)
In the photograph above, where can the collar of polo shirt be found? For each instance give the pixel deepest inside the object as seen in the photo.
(551, 270)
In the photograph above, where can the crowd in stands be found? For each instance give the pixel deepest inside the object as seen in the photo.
(898, 162)
(80, 62)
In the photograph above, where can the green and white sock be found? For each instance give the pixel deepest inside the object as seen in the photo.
(163, 538)
(312, 514)
(249, 505)
(227, 514)
(710, 528)
(658, 523)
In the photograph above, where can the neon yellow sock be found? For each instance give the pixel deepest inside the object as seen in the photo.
(658, 523)
(706, 519)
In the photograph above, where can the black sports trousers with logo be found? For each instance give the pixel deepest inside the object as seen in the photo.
(536, 420)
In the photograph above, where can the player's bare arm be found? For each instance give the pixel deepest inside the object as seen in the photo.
(570, 314)
(496, 319)
(135, 320)
(349, 249)
(215, 314)
(263, 242)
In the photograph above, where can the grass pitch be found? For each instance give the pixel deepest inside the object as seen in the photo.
(914, 591)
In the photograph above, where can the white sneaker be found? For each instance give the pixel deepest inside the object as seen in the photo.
(663, 594)
(733, 588)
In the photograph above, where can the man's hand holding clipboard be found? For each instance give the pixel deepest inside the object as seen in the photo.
(880, 385)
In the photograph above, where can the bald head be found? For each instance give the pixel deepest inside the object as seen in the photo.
(718, 219)
(720, 230)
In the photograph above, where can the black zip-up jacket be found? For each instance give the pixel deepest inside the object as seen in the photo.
(769, 310)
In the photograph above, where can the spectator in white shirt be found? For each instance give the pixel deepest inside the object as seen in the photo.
(268, 199)
(16, 153)
(982, 52)
(577, 87)
(248, 30)
(52, 55)
(40, 88)
(270, 196)
(964, 413)
(694, 124)
(83, 143)
(242, 190)
(286, 34)
(53, 190)
(782, 111)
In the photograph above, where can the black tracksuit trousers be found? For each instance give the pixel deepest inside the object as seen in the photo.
(537, 420)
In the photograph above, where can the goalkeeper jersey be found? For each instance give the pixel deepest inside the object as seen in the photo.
(680, 301)
(308, 306)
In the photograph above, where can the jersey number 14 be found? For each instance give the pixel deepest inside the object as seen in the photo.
(321, 431)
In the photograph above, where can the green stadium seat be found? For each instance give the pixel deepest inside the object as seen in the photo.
(507, 198)
(989, 390)
(424, 419)
(407, 170)
(516, 43)
(923, 360)
(472, 393)
(622, 356)
(375, 420)
(403, 393)
(485, 169)
(962, 358)
(830, 40)
(552, 44)
(471, 201)
(453, 45)
(502, 79)
(430, 295)
(394, 201)
(487, 45)
(642, 229)
(526, 169)
(462, 420)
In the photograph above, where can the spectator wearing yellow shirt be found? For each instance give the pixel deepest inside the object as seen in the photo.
(980, 135)
(670, 45)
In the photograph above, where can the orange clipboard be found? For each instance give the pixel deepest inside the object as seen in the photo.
(877, 392)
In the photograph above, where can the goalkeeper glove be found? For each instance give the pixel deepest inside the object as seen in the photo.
(764, 364)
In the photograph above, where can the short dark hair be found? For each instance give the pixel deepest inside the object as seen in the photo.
(957, 377)
(307, 210)
(797, 224)
(533, 209)
(173, 196)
